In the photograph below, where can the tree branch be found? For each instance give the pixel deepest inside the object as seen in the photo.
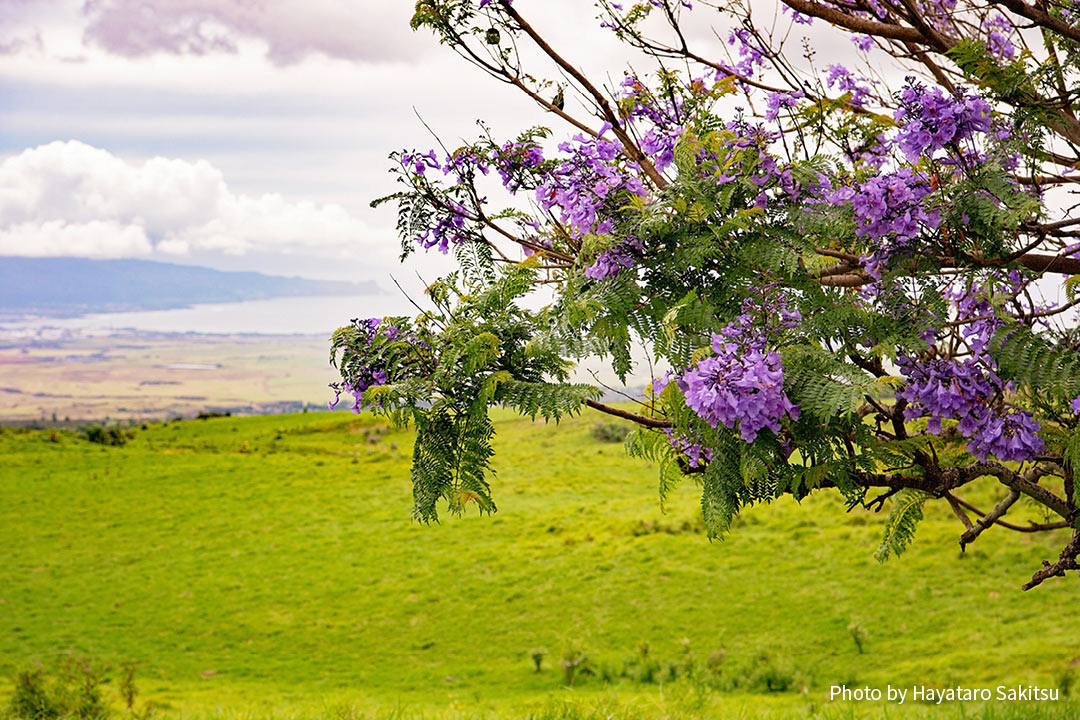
(600, 98)
(1066, 561)
(988, 519)
(643, 420)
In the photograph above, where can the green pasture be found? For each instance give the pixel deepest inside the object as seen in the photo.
(268, 567)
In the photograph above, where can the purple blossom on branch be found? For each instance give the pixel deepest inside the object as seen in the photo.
(998, 31)
(591, 187)
(615, 259)
(931, 120)
(969, 391)
(743, 383)
(778, 100)
(845, 81)
(889, 211)
(696, 454)
(865, 43)
(374, 368)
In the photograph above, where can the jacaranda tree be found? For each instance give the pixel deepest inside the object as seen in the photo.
(861, 278)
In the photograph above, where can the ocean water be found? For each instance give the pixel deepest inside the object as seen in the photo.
(283, 316)
(316, 315)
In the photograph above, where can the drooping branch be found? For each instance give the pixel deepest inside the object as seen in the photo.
(1025, 485)
(988, 519)
(1030, 528)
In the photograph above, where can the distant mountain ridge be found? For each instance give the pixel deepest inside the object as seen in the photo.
(74, 286)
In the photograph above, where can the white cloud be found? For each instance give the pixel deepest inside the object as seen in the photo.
(54, 238)
(68, 198)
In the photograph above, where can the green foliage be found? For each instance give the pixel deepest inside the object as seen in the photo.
(31, 698)
(574, 662)
(655, 448)
(609, 432)
(1032, 359)
(537, 655)
(902, 522)
(72, 691)
(108, 436)
(859, 635)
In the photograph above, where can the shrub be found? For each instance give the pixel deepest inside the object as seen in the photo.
(107, 436)
(1066, 680)
(537, 656)
(31, 700)
(74, 691)
(609, 432)
(859, 635)
(573, 662)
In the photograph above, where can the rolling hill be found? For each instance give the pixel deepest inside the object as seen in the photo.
(267, 567)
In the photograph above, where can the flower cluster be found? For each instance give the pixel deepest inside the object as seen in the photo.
(378, 364)
(931, 120)
(970, 393)
(665, 119)
(449, 221)
(847, 82)
(448, 227)
(589, 188)
(613, 260)
(969, 390)
(778, 100)
(515, 161)
(998, 31)
(696, 454)
(751, 53)
(864, 43)
(889, 211)
(743, 383)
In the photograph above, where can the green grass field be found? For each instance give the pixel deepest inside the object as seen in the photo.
(268, 567)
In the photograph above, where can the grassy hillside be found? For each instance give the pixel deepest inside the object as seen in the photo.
(269, 566)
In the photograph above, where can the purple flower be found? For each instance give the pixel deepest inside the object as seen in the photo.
(377, 362)
(845, 81)
(778, 100)
(797, 17)
(931, 120)
(743, 383)
(864, 42)
(696, 454)
(613, 260)
(889, 211)
(969, 391)
(999, 30)
(589, 189)
(750, 51)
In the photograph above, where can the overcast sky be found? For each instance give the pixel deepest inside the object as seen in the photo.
(245, 134)
(248, 134)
